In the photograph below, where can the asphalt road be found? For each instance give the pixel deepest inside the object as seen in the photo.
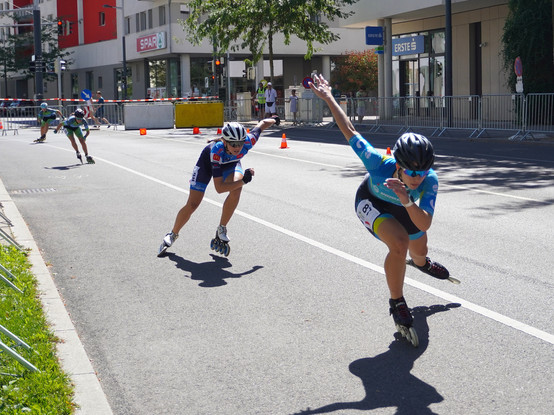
(296, 319)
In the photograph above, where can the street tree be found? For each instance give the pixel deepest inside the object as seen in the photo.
(251, 25)
(354, 69)
(16, 50)
(528, 34)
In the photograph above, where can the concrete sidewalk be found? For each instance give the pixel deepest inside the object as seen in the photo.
(89, 396)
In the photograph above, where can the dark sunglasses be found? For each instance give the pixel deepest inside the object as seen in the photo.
(415, 173)
(235, 144)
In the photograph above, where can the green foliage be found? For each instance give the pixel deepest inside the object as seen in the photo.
(48, 391)
(528, 34)
(354, 69)
(16, 51)
(250, 25)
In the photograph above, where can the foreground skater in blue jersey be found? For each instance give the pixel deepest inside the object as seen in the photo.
(386, 204)
(221, 159)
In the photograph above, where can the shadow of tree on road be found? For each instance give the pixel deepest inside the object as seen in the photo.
(211, 273)
(387, 379)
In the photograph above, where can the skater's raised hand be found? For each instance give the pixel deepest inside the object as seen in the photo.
(321, 87)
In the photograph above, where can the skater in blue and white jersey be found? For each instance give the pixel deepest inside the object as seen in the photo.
(220, 159)
(72, 127)
(45, 117)
(386, 201)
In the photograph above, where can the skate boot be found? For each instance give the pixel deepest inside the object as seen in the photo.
(403, 320)
(90, 160)
(80, 157)
(221, 242)
(41, 139)
(434, 269)
(168, 240)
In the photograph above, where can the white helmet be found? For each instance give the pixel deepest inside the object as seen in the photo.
(234, 131)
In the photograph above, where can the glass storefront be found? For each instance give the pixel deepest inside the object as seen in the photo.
(420, 74)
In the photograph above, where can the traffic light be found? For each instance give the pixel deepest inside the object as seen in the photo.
(218, 67)
(60, 26)
(62, 65)
(69, 28)
(32, 66)
(244, 73)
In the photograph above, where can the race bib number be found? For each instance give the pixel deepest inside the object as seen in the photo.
(367, 213)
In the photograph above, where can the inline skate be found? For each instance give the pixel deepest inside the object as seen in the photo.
(221, 242)
(403, 320)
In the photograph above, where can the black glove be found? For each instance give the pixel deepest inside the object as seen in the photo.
(277, 120)
(247, 178)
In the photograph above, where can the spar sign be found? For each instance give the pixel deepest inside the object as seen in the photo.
(151, 42)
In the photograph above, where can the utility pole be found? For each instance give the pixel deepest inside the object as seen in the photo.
(39, 65)
(448, 90)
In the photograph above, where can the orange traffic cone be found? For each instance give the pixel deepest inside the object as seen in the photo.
(196, 130)
(284, 141)
(219, 131)
(1, 126)
(389, 152)
(143, 131)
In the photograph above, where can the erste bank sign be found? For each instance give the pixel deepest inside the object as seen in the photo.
(151, 42)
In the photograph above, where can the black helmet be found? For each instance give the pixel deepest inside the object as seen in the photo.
(414, 152)
(79, 113)
(234, 132)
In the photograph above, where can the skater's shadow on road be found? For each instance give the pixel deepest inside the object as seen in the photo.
(387, 379)
(211, 273)
(62, 168)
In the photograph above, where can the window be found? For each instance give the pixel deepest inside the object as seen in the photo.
(161, 14)
(150, 24)
(89, 80)
(100, 83)
(75, 85)
(127, 25)
(137, 22)
(101, 19)
(142, 21)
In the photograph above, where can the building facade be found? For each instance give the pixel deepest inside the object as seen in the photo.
(146, 41)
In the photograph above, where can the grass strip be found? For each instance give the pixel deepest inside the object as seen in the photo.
(49, 391)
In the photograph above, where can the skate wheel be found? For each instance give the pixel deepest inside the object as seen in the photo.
(412, 337)
(226, 250)
(453, 280)
(213, 244)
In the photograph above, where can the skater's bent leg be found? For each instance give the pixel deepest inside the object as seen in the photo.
(418, 250)
(183, 216)
(397, 240)
(73, 143)
(83, 144)
(229, 206)
(232, 200)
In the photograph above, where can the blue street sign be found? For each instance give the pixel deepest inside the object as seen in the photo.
(86, 94)
(408, 45)
(373, 35)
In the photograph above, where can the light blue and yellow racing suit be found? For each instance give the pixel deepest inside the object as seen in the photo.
(375, 202)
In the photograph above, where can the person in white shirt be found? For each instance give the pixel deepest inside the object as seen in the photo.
(270, 98)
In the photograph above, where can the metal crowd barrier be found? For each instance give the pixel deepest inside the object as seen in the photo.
(5, 277)
(517, 114)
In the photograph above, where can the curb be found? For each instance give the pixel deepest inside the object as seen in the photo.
(89, 396)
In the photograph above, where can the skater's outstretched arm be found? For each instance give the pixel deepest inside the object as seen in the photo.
(265, 123)
(322, 89)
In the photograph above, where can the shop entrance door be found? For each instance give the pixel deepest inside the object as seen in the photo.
(409, 78)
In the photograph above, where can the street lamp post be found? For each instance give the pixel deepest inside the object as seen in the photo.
(122, 45)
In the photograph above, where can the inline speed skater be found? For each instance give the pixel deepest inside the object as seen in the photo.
(220, 159)
(386, 204)
(45, 117)
(72, 127)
